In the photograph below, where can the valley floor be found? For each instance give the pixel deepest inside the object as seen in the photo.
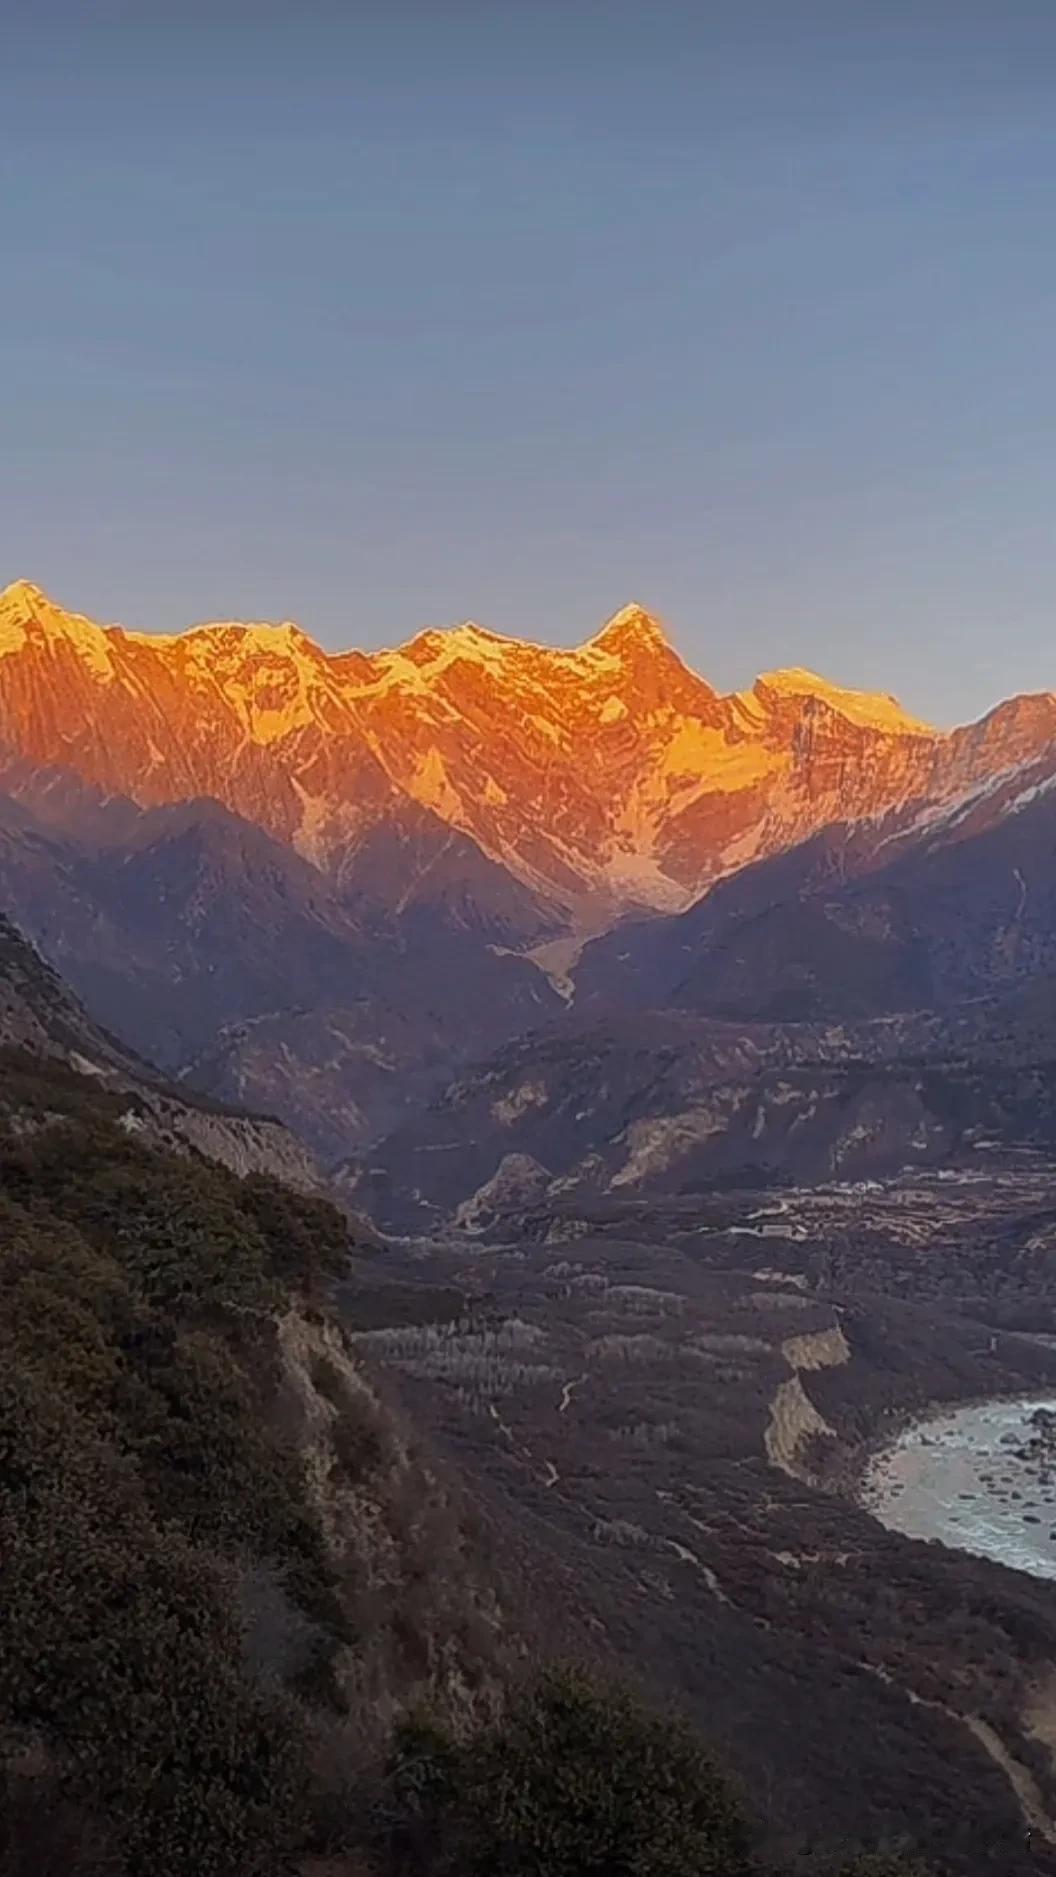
(675, 1402)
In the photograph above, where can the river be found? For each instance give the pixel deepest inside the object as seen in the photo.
(959, 1477)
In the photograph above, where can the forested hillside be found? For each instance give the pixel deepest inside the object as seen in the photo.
(248, 1626)
(224, 1565)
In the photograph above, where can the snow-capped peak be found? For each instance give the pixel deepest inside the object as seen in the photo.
(873, 710)
(24, 606)
(632, 625)
(22, 593)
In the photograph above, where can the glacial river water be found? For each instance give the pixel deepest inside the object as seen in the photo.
(958, 1478)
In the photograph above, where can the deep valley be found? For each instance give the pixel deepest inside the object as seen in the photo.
(679, 1401)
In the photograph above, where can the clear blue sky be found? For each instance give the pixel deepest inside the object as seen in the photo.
(385, 315)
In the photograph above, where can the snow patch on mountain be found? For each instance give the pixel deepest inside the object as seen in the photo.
(873, 710)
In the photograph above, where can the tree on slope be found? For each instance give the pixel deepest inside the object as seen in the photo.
(577, 1780)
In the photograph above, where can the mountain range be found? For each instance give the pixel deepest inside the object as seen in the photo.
(598, 778)
(324, 883)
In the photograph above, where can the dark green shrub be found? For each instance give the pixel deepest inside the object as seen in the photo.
(140, 1474)
(578, 1780)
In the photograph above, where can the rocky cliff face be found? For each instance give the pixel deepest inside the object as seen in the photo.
(40, 1017)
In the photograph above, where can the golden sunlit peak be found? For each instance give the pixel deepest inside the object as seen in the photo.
(23, 593)
(267, 633)
(873, 710)
(633, 624)
(26, 610)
